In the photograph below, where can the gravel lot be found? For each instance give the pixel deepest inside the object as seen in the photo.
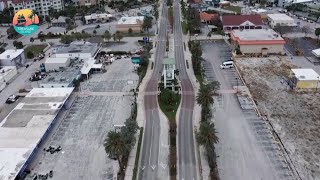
(83, 130)
(295, 116)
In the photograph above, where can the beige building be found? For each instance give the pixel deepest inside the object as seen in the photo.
(257, 41)
(135, 23)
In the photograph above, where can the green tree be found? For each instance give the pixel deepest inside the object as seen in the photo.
(2, 50)
(305, 30)
(147, 23)
(129, 31)
(30, 55)
(118, 36)
(107, 35)
(11, 32)
(317, 32)
(207, 135)
(206, 93)
(168, 97)
(48, 20)
(18, 44)
(116, 146)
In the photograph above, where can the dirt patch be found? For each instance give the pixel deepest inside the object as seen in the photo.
(294, 115)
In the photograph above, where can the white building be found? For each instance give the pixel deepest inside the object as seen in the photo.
(168, 72)
(134, 23)
(257, 41)
(81, 50)
(26, 126)
(97, 18)
(281, 20)
(6, 74)
(54, 63)
(40, 6)
(12, 57)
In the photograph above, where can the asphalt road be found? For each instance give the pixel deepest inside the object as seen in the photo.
(149, 161)
(187, 166)
(246, 149)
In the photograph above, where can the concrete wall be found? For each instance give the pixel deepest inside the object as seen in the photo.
(125, 27)
(310, 84)
(257, 49)
(74, 55)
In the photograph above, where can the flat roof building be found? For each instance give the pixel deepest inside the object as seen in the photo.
(257, 41)
(96, 18)
(280, 20)
(56, 63)
(134, 22)
(6, 74)
(61, 79)
(12, 57)
(304, 79)
(81, 50)
(26, 126)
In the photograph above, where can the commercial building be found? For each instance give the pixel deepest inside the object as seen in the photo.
(85, 2)
(60, 22)
(304, 79)
(61, 79)
(6, 74)
(257, 41)
(89, 67)
(280, 20)
(284, 3)
(54, 63)
(40, 6)
(26, 126)
(12, 57)
(81, 50)
(125, 23)
(168, 72)
(97, 18)
(231, 22)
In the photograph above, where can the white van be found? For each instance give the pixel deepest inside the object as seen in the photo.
(226, 65)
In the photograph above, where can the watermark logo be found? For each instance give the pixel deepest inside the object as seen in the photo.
(25, 22)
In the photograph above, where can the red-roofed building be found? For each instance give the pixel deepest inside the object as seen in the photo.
(207, 18)
(231, 22)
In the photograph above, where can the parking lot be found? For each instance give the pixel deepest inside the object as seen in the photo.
(246, 147)
(82, 131)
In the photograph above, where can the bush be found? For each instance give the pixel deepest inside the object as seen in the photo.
(30, 55)
(98, 26)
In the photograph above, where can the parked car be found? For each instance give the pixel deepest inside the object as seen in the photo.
(227, 65)
(12, 98)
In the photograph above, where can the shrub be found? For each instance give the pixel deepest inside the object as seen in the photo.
(30, 55)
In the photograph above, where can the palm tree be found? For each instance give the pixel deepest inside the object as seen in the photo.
(207, 135)
(116, 146)
(205, 95)
(32, 16)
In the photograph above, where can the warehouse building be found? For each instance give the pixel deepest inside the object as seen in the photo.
(257, 42)
(280, 20)
(26, 126)
(125, 23)
(6, 74)
(54, 63)
(12, 57)
(79, 49)
(304, 79)
(61, 79)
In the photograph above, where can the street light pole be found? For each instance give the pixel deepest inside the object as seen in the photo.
(317, 83)
(237, 84)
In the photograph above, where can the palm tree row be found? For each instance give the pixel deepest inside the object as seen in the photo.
(207, 135)
(119, 144)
